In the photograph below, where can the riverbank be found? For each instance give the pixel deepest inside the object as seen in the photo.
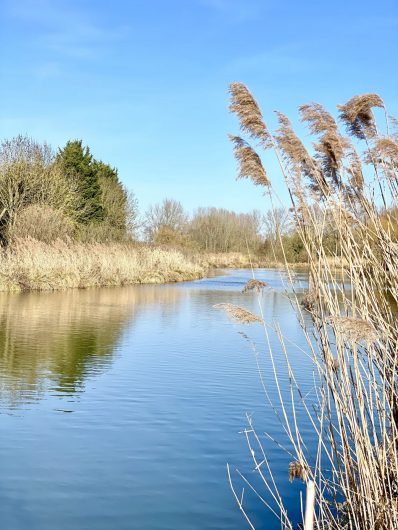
(238, 260)
(33, 265)
(29, 264)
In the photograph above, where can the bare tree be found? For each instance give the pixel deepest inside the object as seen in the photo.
(169, 214)
(29, 174)
(220, 230)
(276, 223)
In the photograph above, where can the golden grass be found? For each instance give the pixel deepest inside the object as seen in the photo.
(231, 260)
(33, 265)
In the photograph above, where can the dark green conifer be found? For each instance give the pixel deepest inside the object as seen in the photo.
(79, 166)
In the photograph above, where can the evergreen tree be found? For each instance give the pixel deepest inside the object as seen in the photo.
(78, 166)
(114, 200)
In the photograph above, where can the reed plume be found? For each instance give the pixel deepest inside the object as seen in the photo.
(351, 336)
(298, 158)
(254, 284)
(297, 470)
(246, 108)
(354, 169)
(238, 314)
(357, 115)
(384, 152)
(330, 150)
(250, 165)
(354, 329)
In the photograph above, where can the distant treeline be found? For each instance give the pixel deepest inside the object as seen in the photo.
(219, 230)
(69, 195)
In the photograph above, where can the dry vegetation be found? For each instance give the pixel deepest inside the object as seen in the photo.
(351, 337)
(31, 264)
(225, 260)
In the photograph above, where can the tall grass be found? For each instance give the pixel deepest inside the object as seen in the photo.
(31, 264)
(352, 335)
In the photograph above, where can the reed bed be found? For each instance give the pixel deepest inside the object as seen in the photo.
(233, 260)
(350, 180)
(33, 265)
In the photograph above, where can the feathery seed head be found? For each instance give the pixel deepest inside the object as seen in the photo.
(357, 114)
(250, 165)
(254, 284)
(318, 118)
(238, 314)
(246, 108)
(354, 329)
(298, 157)
(355, 170)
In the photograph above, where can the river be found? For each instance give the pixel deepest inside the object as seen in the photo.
(121, 407)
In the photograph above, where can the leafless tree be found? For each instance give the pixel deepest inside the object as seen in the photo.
(168, 214)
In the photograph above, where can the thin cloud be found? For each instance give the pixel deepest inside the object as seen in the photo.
(65, 30)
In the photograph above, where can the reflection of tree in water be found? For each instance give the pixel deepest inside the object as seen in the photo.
(59, 339)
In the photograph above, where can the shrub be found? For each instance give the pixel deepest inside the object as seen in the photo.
(42, 223)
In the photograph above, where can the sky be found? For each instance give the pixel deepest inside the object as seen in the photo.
(144, 83)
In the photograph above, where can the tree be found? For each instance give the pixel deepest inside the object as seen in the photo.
(113, 200)
(30, 175)
(167, 214)
(220, 230)
(276, 222)
(78, 166)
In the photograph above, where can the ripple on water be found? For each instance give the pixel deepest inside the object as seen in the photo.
(121, 407)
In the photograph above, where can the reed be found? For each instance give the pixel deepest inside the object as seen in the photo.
(352, 336)
(34, 265)
(236, 260)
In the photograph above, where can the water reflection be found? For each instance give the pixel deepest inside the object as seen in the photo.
(159, 383)
(53, 341)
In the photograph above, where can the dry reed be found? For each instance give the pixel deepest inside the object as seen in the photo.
(352, 336)
(254, 284)
(239, 314)
(31, 264)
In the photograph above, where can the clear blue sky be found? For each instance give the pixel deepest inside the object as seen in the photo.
(144, 83)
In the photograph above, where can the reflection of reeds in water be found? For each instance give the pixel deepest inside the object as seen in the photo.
(58, 339)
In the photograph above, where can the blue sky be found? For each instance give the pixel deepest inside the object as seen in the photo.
(144, 83)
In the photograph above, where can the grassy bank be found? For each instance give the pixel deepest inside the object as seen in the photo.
(28, 264)
(32, 265)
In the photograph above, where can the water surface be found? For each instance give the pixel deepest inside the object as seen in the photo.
(120, 408)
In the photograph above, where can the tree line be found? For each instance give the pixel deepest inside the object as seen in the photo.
(69, 194)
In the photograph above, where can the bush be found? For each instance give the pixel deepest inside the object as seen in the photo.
(42, 223)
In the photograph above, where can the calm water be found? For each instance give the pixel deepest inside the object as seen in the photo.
(120, 408)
